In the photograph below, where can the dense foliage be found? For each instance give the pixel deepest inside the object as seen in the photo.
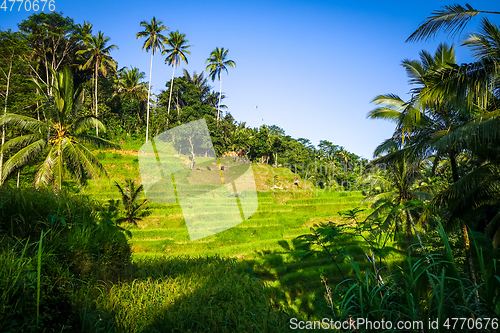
(433, 188)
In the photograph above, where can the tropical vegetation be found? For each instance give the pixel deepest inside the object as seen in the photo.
(410, 235)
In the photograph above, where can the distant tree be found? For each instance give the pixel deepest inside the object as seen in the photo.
(54, 40)
(99, 58)
(216, 63)
(199, 81)
(175, 54)
(130, 87)
(153, 42)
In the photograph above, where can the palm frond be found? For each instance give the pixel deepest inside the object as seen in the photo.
(46, 172)
(24, 123)
(20, 142)
(86, 123)
(451, 20)
(23, 157)
(96, 142)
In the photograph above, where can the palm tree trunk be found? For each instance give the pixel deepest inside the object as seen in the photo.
(171, 87)
(469, 259)
(5, 112)
(468, 254)
(95, 91)
(149, 93)
(18, 174)
(454, 171)
(415, 228)
(220, 95)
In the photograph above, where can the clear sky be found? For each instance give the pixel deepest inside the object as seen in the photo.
(311, 67)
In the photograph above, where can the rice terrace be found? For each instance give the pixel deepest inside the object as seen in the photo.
(154, 181)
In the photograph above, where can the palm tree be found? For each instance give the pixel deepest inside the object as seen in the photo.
(153, 42)
(60, 137)
(425, 121)
(99, 56)
(215, 64)
(199, 81)
(471, 82)
(213, 99)
(84, 31)
(133, 209)
(130, 87)
(396, 191)
(176, 53)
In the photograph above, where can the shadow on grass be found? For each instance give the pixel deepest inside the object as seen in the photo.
(294, 279)
(183, 294)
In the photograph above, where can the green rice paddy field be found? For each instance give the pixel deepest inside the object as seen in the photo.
(265, 245)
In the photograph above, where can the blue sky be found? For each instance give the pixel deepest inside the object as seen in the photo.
(311, 68)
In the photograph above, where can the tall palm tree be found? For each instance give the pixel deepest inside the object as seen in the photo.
(60, 137)
(154, 42)
(176, 53)
(216, 63)
(99, 57)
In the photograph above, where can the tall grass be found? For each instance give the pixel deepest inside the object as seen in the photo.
(52, 246)
(422, 289)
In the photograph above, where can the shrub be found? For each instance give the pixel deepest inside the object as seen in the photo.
(77, 249)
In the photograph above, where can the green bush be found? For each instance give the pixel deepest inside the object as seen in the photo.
(77, 250)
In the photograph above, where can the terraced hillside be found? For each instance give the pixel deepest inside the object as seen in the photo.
(266, 242)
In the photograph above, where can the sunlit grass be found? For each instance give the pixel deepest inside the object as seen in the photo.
(264, 243)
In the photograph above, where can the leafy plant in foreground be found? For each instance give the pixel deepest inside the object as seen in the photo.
(424, 289)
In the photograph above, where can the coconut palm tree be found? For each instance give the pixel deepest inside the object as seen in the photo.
(473, 81)
(175, 54)
(99, 58)
(60, 137)
(199, 81)
(84, 31)
(216, 63)
(129, 86)
(153, 42)
(397, 191)
(134, 211)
